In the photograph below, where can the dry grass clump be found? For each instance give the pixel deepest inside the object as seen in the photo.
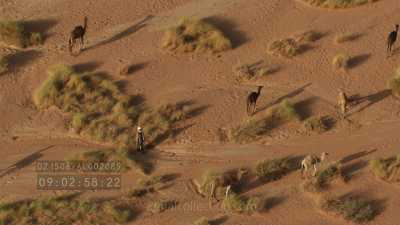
(315, 124)
(201, 221)
(98, 108)
(274, 169)
(197, 36)
(65, 210)
(341, 61)
(253, 130)
(308, 37)
(238, 204)
(345, 37)
(246, 73)
(338, 3)
(386, 169)
(394, 83)
(12, 33)
(351, 208)
(3, 64)
(160, 206)
(285, 47)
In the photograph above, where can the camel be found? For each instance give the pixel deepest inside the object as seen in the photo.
(77, 33)
(229, 179)
(312, 161)
(392, 39)
(252, 101)
(343, 101)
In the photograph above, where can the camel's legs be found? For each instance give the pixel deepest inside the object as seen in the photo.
(227, 191)
(315, 170)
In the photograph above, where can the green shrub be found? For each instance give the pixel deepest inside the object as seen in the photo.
(195, 36)
(286, 48)
(355, 209)
(36, 38)
(274, 169)
(345, 37)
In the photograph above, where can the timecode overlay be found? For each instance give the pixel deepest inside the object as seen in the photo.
(78, 175)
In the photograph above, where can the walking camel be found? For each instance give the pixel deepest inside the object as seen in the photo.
(312, 161)
(252, 101)
(77, 33)
(392, 39)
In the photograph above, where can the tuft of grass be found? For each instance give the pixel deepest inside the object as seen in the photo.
(253, 130)
(274, 169)
(12, 33)
(3, 64)
(394, 83)
(324, 176)
(201, 221)
(341, 61)
(286, 47)
(160, 206)
(315, 124)
(345, 37)
(149, 185)
(238, 204)
(65, 210)
(124, 70)
(308, 37)
(351, 208)
(36, 38)
(386, 168)
(336, 4)
(210, 179)
(197, 36)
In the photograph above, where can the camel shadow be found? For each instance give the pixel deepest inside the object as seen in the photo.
(28, 160)
(350, 169)
(355, 156)
(372, 99)
(273, 202)
(229, 29)
(219, 220)
(40, 25)
(280, 99)
(123, 32)
(358, 60)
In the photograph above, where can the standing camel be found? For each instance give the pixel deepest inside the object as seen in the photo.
(77, 33)
(312, 161)
(391, 40)
(252, 101)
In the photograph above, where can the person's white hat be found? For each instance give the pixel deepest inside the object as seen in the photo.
(139, 128)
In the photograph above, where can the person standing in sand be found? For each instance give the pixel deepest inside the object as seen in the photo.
(140, 140)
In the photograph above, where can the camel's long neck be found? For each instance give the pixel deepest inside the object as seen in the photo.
(258, 91)
(85, 25)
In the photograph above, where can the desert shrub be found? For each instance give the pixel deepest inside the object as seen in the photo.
(286, 48)
(338, 3)
(148, 185)
(193, 35)
(160, 206)
(308, 36)
(237, 204)
(341, 61)
(66, 210)
(324, 176)
(3, 64)
(341, 38)
(201, 221)
(12, 33)
(246, 73)
(351, 208)
(253, 130)
(274, 169)
(36, 38)
(315, 124)
(394, 83)
(212, 179)
(100, 111)
(387, 168)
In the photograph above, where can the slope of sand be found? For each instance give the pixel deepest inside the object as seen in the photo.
(130, 31)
